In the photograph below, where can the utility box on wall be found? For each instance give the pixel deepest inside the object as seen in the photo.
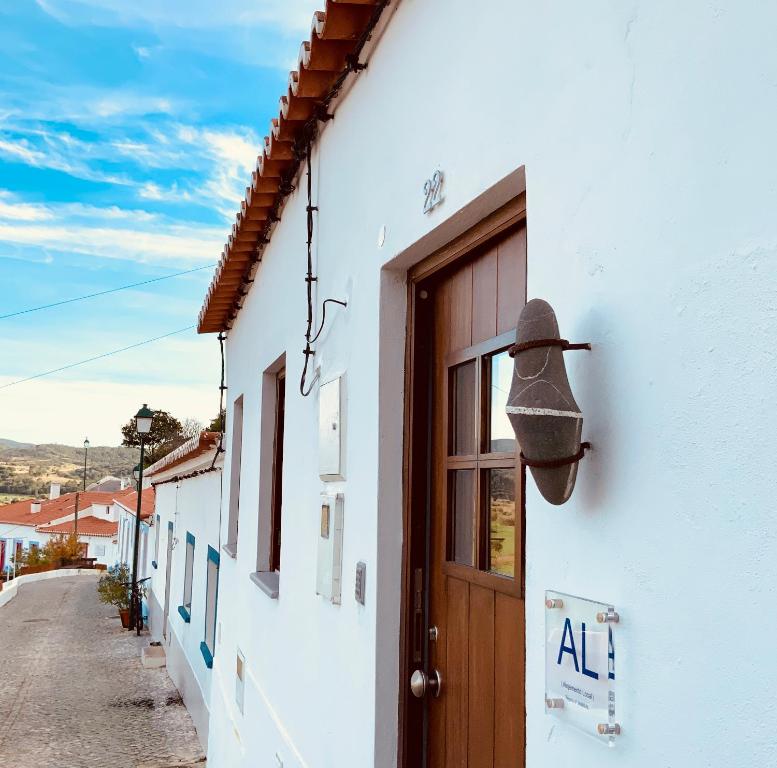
(330, 429)
(329, 569)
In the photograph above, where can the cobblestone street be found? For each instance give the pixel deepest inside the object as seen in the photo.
(73, 693)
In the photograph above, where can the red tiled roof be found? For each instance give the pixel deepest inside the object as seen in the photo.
(129, 500)
(89, 525)
(336, 39)
(20, 512)
(191, 449)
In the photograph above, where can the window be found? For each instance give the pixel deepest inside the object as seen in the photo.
(240, 683)
(234, 483)
(277, 471)
(99, 550)
(143, 549)
(484, 522)
(34, 546)
(208, 645)
(188, 573)
(156, 542)
(268, 560)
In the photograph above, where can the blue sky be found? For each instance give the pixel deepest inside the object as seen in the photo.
(128, 131)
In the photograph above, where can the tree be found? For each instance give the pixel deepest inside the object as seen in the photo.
(166, 435)
(191, 428)
(217, 425)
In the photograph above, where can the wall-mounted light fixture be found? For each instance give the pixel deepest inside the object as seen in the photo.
(547, 421)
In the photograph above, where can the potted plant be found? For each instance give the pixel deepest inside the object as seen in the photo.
(113, 589)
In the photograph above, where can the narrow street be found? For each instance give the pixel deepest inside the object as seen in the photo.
(74, 693)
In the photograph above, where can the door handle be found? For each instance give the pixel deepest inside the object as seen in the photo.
(420, 683)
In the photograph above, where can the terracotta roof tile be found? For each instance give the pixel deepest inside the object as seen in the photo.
(129, 500)
(89, 525)
(21, 513)
(337, 35)
(191, 449)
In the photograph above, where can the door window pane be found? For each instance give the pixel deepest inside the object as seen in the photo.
(463, 409)
(462, 506)
(210, 605)
(188, 572)
(501, 435)
(501, 521)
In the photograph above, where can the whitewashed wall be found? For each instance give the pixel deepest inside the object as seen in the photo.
(12, 532)
(193, 506)
(125, 541)
(646, 132)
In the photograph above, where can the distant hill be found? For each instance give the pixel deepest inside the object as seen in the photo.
(28, 470)
(6, 443)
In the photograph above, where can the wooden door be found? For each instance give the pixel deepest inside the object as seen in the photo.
(468, 590)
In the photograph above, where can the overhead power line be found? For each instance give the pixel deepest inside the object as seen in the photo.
(96, 357)
(102, 293)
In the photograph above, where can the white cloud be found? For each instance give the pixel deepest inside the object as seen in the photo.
(109, 232)
(221, 158)
(227, 157)
(291, 16)
(9, 209)
(59, 152)
(123, 104)
(21, 150)
(180, 244)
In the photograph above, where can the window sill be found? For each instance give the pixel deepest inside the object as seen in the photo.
(207, 655)
(153, 562)
(185, 615)
(230, 549)
(268, 582)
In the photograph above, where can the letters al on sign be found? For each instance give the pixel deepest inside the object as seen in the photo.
(580, 664)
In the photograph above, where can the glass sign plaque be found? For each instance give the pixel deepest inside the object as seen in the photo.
(580, 643)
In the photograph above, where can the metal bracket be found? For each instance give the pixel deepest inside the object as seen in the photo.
(611, 617)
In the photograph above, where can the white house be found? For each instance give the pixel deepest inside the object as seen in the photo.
(182, 599)
(33, 522)
(377, 524)
(125, 507)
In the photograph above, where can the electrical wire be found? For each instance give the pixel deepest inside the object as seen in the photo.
(103, 293)
(222, 413)
(96, 357)
(310, 278)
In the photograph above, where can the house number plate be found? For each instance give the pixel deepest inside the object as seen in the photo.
(433, 191)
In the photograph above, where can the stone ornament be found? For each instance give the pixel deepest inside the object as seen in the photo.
(547, 421)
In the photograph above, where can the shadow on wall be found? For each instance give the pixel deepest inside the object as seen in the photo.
(592, 380)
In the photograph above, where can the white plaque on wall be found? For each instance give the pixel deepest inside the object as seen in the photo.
(330, 401)
(580, 676)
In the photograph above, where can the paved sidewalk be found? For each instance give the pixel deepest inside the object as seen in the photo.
(73, 693)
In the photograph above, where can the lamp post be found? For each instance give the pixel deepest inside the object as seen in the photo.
(86, 450)
(143, 420)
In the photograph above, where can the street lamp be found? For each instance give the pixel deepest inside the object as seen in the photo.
(86, 449)
(143, 419)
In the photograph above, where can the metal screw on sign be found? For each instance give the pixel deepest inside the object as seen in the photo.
(604, 729)
(554, 703)
(554, 603)
(611, 617)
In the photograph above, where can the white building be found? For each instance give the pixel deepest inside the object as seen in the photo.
(616, 160)
(182, 599)
(33, 522)
(125, 507)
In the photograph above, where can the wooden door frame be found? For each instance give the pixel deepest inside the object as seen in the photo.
(414, 454)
